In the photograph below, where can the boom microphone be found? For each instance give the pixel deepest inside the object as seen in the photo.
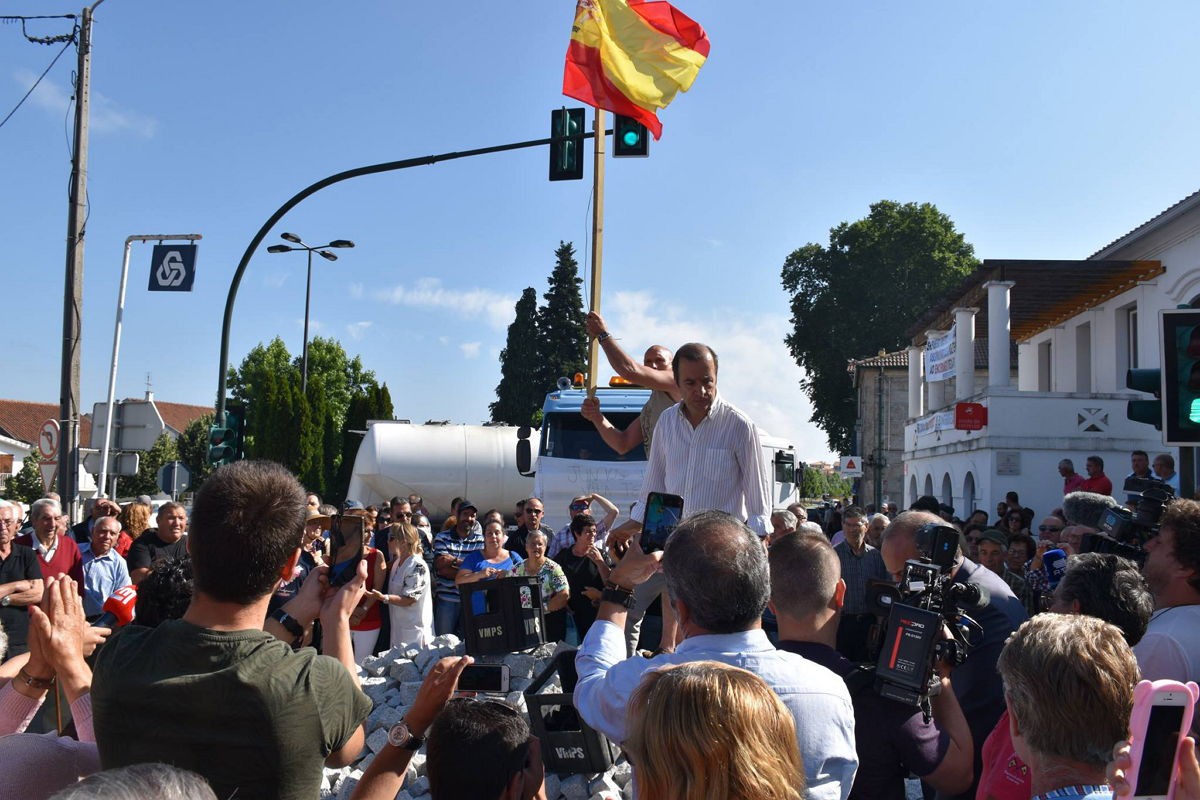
(118, 609)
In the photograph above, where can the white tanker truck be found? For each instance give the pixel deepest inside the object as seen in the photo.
(494, 468)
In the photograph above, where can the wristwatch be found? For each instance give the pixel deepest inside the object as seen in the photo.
(290, 624)
(6, 600)
(617, 594)
(400, 736)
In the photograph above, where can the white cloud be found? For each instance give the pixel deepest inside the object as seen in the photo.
(274, 280)
(315, 326)
(356, 291)
(356, 329)
(103, 116)
(443, 340)
(494, 308)
(470, 349)
(757, 373)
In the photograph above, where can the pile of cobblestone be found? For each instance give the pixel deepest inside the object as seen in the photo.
(392, 680)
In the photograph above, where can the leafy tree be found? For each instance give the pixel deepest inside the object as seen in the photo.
(518, 397)
(812, 483)
(560, 323)
(146, 481)
(193, 449)
(251, 381)
(861, 293)
(26, 485)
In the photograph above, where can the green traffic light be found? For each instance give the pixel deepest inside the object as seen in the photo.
(631, 138)
(1194, 412)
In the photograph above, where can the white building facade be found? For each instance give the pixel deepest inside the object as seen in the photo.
(1078, 326)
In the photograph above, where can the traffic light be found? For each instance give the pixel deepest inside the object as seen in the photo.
(1181, 384)
(630, 138)
(225, 441)
(566, 155)
(1149, 412)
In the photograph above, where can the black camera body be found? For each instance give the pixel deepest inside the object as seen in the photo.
(910, 642)
(1125, 531)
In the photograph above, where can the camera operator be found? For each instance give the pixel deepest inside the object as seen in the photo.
(892, 738)
(999, 612)
(1171, 646)
(1099, 585)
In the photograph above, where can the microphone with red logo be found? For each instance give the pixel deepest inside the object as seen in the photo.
(118, 609)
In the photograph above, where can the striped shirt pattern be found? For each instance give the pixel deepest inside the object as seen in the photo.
(716, 465)
(448, 543)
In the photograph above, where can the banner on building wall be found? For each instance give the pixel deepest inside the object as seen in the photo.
(939, 356)
(941, 421)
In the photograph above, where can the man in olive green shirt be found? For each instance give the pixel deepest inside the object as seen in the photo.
(214, 692)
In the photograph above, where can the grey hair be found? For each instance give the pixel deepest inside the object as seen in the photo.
(138, 781)
(532, 534)
(1087, 508)
(718, 568)
(789, 519)
(1066, 462)
(808, 526)
(45, 502)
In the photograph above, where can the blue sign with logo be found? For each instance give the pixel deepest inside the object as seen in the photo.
(173, 268)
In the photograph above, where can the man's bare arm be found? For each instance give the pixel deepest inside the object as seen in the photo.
(628, 368)
(25, 592)
(620, 441)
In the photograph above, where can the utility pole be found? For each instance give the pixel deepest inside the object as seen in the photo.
(68, 471)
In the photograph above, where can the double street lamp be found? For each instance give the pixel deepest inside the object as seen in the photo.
(320, 250)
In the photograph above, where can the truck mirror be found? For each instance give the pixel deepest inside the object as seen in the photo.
(524, 457)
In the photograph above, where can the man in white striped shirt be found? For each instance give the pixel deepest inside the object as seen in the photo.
(707, 451)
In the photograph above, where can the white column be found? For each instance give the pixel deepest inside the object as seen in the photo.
(999, 364)
(964, 352)
(936, 389)
(916, 369)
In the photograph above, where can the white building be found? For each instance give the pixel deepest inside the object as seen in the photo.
(1078, 326)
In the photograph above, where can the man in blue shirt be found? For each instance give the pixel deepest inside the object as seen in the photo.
(449, 549)
(718, 582)
(104, 571)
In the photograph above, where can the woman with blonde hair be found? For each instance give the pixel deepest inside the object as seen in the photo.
(409, 598)
(705, 729)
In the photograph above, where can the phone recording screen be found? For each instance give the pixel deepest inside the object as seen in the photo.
(1158, 752)
(482, 678)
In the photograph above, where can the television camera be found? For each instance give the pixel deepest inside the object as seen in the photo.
(914, 614)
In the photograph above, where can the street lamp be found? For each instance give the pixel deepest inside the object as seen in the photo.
(323, 253)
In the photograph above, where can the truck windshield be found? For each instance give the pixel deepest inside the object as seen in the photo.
(569, 435)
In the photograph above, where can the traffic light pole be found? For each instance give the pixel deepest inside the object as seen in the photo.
(597, 246)
(1187, 472)
(374, 169)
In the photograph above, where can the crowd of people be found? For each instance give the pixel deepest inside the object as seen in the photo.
(239, 675)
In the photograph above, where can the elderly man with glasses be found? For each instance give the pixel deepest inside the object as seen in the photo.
(20, 582)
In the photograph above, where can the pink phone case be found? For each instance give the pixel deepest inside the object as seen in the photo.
(1143, 695)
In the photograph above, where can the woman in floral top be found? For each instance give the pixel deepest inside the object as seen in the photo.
(555, 591)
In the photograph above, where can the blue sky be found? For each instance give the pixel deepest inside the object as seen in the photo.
(1045, 130)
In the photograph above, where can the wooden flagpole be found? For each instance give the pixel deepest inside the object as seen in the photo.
(597, 245)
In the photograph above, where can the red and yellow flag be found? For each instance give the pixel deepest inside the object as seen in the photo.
(632, 57)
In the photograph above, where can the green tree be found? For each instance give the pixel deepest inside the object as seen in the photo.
(256, 377)
(517, 397)
(146, 481)
(26, 485)
(560, 323)
(860, 293)
(812, 483)
(193, 449)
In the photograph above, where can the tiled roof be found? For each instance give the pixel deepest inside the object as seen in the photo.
(179, 415)
(22, 420)
(899, 359)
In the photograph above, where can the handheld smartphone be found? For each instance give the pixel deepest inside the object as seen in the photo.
(351, 569)
(663, 513)
(484, 678)
(1162, 712)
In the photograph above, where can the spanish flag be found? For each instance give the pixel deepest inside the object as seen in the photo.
(631, 57)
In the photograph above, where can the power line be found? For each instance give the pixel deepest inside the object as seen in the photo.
(70, 41)
(66, 37)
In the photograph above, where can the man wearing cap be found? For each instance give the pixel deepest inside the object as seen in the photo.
(582, 504)
(450, 548)
(993, 554)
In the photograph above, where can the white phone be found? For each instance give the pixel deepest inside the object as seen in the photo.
(1162, 712)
